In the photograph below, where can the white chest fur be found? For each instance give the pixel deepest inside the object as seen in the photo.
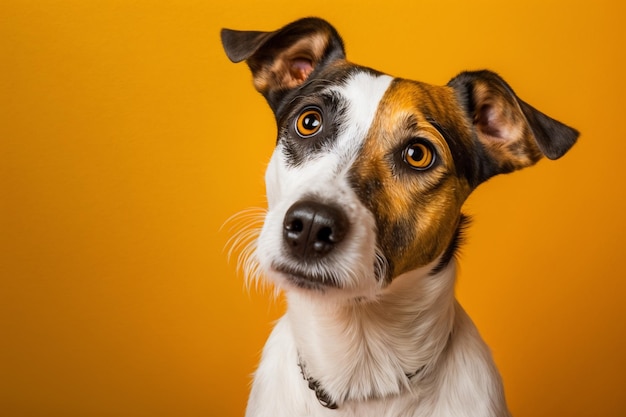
(360, 355)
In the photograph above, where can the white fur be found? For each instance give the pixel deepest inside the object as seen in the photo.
(360, 341)
(356, 346)
(325, 177)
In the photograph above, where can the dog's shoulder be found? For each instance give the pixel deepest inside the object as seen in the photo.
(469, 383)
(279, 389)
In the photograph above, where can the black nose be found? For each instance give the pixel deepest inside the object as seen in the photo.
(311, 229)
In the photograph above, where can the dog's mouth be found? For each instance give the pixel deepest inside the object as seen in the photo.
(304, 278)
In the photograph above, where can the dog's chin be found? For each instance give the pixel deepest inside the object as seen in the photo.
(304, 279)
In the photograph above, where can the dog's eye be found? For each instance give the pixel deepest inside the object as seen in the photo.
(309, 122)
(419, 155)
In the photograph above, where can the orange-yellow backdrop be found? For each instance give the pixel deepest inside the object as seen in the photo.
(127, 139)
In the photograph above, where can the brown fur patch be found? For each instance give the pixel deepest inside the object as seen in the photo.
(417, 212)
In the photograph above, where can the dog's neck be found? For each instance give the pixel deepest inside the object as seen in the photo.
(361, 350)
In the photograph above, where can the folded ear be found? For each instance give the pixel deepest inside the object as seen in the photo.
(514, 134)
(284, 59)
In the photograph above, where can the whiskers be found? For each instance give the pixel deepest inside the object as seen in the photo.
(381, 266)
(245, 227)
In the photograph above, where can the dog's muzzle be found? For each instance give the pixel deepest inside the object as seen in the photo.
(311, 230)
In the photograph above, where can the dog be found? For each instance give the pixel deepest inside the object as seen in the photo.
(365, 189)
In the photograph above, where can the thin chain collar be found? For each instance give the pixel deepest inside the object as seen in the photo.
(322, 395)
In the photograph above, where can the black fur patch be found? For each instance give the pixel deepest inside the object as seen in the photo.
(466, 160)
(455, 244)
(297, 149)
(314, 93)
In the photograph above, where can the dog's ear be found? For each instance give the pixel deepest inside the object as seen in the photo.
(284, 59)
(514, 134)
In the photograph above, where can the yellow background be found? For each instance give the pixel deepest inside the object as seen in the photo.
(127, 139)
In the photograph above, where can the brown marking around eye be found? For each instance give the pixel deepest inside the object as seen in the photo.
(416, 213)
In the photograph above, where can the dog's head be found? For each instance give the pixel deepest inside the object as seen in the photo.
(370, 172)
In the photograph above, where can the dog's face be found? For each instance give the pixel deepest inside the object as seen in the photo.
(376, 154)
(370, 172)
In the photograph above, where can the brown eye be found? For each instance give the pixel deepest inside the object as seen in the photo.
(309, 122)
(419, 155)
